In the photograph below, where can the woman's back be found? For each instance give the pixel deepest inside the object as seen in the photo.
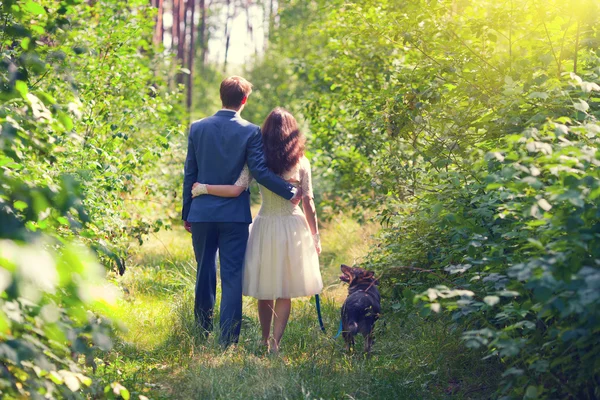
(274, 205)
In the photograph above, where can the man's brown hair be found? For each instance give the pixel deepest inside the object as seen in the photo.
(233, 91)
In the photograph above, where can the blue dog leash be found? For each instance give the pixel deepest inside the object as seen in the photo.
(319, 316)
(318, 304)
(339, 332)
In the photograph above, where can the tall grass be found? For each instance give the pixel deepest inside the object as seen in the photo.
(162, 356)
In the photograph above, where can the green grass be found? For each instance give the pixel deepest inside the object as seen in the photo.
(160, 355)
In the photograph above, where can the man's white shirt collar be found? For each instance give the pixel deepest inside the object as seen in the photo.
(231, 111)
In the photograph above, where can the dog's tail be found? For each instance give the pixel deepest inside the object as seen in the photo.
(353, 327)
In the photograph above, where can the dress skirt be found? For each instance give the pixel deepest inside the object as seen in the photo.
(281, 260)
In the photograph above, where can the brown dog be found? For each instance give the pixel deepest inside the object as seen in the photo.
(362, 306)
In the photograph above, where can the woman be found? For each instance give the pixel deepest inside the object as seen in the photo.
(282, 255)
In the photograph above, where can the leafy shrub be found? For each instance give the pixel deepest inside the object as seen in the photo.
(519, 243)
(84, 124)
(80, 99)
(46, 335)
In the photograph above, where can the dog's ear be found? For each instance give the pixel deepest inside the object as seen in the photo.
(369, 274)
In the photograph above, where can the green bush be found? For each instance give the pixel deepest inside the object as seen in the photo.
(47, 336)
(85, 122)
(84, 110)
(519, 241)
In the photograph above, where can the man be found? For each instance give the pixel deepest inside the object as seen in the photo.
(218, 148)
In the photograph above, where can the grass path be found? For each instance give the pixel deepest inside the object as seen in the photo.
(159, 355)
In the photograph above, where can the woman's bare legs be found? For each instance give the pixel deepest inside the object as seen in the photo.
(265, 315)
(282, 313)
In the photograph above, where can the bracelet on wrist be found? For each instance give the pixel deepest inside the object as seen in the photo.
(200, 189)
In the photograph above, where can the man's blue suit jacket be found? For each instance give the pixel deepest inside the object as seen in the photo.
(218, 148)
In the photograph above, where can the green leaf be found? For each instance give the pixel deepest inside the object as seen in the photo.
(538, 95)
(577, 201)
(491, 300)
(544, 204)
(48, 100)
(55, 377)
(66, 121)
(20, 205)
(4, 322)
(22, 88)
(581, 105)
(493, 186)
(71, 380)
(594, 194)
(587, 87)
(120, 390)
(87, 381)
(33, 8)
(509, 293)
(63, 220)
(536, 243)
(25, 42)
(38, 29)
(5, 281)
(531, 392)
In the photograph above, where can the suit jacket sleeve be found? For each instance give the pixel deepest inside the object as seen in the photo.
(260, 172)
(190, 176)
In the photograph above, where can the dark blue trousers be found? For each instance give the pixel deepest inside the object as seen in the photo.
(231, 239)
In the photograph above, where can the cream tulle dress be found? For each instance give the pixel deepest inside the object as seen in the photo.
(281, 260)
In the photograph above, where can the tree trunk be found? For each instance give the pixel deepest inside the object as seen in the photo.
(184, 18)
(271, 19)
(175, 27)
(249, 27)
(191, 55)
(203, 37)
(181, 32)
(227, 34)
(159, 29)
(265, 24)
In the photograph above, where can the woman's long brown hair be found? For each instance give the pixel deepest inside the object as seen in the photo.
(283, 142)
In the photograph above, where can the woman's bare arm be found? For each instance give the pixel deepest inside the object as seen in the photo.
(218, 190)
(310, 211)
(224, 190)
(308, 204)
